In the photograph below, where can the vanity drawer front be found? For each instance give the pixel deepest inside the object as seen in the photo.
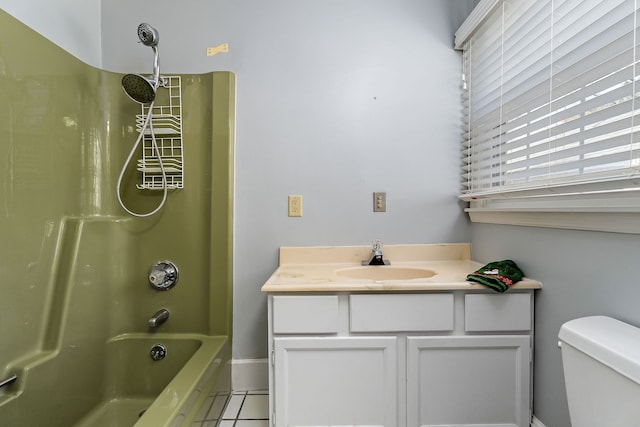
(510, 312)
(310, 314)
(401, 312)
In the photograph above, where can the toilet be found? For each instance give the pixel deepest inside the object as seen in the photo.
(601, 362)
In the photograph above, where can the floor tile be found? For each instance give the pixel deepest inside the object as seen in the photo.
(255, 407)
(252, 423)
(233, 407)
(226, 423)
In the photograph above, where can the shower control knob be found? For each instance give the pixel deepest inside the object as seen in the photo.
(163, 275)
(157, 277)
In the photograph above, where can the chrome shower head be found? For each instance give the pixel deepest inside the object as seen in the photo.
(139, 88)
(148, 35)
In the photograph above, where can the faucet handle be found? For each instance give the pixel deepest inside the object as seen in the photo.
(163, 275)
(376, 257)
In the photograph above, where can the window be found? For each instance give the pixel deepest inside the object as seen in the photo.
(551, 135)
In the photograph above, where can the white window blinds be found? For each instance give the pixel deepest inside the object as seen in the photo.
(551, 99)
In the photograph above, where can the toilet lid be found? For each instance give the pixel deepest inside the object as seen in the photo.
(613, 343)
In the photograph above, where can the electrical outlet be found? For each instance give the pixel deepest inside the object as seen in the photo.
(295, 205)
(380, 201)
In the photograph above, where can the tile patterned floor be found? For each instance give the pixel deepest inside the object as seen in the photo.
(239, 409)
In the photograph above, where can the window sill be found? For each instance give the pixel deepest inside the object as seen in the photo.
(623, 221)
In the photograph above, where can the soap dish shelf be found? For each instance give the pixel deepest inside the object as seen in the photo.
(166, 122)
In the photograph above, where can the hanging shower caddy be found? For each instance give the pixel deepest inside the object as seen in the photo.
(166, 124)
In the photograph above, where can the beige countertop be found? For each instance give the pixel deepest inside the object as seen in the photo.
(321, 269)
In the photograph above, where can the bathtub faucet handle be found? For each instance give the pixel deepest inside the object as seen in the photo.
(159, 318)
(163, 275)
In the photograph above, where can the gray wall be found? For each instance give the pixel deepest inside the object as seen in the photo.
(583, 274)
(358, 96)
(336, 99)
(73, 25)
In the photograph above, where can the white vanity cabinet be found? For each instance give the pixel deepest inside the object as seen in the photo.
(446, 358)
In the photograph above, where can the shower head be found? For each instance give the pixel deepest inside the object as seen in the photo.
(148, 35)
(139, 88)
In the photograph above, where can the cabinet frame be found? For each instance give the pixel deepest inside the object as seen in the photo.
(405, 408)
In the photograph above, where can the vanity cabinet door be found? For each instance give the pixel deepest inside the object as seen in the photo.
(322, 381)
(468, 381)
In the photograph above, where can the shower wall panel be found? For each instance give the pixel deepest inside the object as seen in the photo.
(73, 264)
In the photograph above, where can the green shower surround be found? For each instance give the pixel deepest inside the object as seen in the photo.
(73, 265)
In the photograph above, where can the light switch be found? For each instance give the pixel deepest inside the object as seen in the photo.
(380, 201)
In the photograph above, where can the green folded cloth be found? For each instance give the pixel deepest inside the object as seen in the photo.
(498, 275)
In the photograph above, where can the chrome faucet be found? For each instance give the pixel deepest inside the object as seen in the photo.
(376, 257)
(159, 318)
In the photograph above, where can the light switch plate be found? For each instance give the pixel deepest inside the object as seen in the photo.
(380, 201)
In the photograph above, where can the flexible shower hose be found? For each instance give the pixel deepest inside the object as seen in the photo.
(147, 123)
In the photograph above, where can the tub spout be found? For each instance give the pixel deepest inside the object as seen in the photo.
(159, 318)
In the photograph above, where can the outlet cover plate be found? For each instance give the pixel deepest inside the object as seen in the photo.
(295, 205)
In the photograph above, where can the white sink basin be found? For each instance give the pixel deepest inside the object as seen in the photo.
(382, 272)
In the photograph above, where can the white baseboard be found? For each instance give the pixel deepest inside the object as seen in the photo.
(536, 422)
(249, 374)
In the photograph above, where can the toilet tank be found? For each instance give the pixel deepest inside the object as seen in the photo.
(601, 361)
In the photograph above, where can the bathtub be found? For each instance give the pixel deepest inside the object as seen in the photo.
(134, 389)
